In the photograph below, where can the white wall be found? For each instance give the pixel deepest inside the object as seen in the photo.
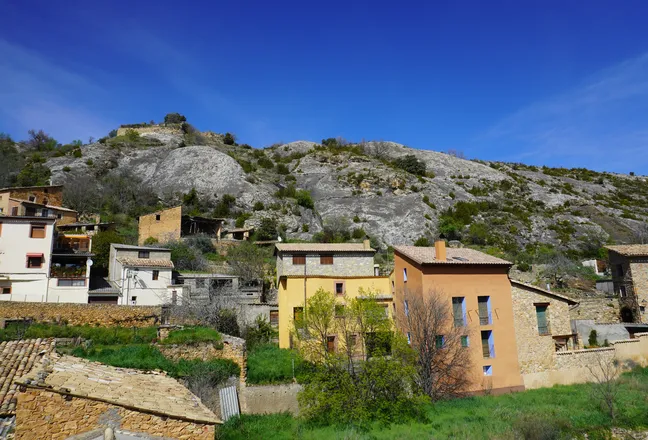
(148, 292)
(15, 243)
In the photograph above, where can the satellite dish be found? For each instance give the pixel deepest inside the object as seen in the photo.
(279, 239)
(90, 262)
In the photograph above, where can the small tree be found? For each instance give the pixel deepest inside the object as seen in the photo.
(411, 164)
(174, 118)
(593, 338)
(267, 229)
(605, 371)
(248, 261)
(229, 139)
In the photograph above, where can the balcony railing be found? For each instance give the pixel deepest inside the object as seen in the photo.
(68, 272)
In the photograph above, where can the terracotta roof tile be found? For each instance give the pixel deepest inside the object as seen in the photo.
(16, 359)
(427, 255)
(630, 250)
(146, 391)
(323, 247)
(145, 262)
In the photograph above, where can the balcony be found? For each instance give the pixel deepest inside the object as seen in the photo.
(68, 272)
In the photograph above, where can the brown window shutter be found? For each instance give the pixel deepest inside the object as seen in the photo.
(299, 259)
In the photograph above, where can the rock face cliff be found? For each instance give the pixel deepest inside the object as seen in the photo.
(501, 204)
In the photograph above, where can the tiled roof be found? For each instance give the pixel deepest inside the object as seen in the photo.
(427, 255)
(131, 247)
(145, 262)
(58, 208)
(146, 391)
(545, 292)
(18, 358)
(323, 247)
(7, 423)
(630, 250)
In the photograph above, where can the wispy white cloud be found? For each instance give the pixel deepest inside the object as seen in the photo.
(37, 93)
(602, 124)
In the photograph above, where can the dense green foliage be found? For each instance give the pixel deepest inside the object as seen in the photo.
(267, 229)
(547, 413)
(260, 332)
(304, 199)
(192, 336)
(229, 139)
(98, 335)
(269, 364)
(174, 118)
(411, 164)
(101, 247)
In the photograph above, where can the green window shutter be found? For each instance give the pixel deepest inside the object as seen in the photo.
(541, 314)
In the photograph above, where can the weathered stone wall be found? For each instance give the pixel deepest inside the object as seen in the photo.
(52, 195)
(43, 414)
(121, 131)
(639, 273)
(600, 309)
(104, 315)
(535, 351)
(166, 229)
(270, 399)
(233, 349)
(344, 264)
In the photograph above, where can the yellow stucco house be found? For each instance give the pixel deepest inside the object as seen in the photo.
(345, 269)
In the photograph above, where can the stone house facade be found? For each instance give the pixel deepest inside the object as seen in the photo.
(86, 397)
(542, 326)
(172, 225)
(44, 195)
(629, 267)
(327, 259)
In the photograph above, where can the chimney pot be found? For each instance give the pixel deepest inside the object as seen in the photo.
(440, 250)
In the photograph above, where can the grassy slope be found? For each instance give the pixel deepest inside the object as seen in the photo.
(269, 364)
(571, 409)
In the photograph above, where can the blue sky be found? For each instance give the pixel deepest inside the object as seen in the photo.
(547, 82)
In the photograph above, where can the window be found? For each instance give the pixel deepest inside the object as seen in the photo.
(37, 231)
(619, 268)
(298, 313)
(405, 275)
(70, 283)
(326, 259)
(14, 211)
(143, 254)
(439, 342)
(299, 260)
(330, 344)
(156, 275)
(157, 217)
(274, 317)
(406, 307)
(541, 316)
(488, 370)
(200, 283)
(339, 288)
(59, 216)
(488, 347)
(465, 342)
(133, 300)
(34, 262)
(5, 290)
(459, 311)
(484, 308)
(32, 198)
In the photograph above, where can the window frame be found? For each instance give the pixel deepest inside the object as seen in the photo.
(158, 217)
(2, 290)
(71, 281)
(274, 317)
(335, 286)
(326, 259)
(546, 330)
(155, 275)
(29, 266)
(145, 255)
(404, 274)
(298, 260)
(37, 227)
(488, 370)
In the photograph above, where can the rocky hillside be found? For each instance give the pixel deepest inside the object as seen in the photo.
(378, 187)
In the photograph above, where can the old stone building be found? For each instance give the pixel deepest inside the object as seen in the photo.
(88, 397)
(629, 267)
(172, 225)
(36, 201)
(542, 326)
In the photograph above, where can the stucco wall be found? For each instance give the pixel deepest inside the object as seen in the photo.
(166, 229)
(105, 315)
(344, 264)
(46, 415)
(535, 351)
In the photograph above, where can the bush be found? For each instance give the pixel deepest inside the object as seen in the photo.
(132, 135)
(265, 162)
(304, 199)
(592, 340)
(229, 139)
(67, 169)
(224, 206)
(260, 332)
(242, 218)
(305, 227)
(174, 118)
(258, 206)
(282, 169)
(411, 164)
(358, 233)
(267, 229)
(422, 242)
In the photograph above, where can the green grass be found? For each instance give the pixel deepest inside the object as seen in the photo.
(565, 411)
(98, 335)
(192, 336)
(148, 357)
(269, 364)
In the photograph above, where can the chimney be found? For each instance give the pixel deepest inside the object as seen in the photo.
(366, 243)
(440, 250)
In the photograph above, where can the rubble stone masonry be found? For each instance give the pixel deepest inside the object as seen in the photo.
(104, 315)
(43, 414)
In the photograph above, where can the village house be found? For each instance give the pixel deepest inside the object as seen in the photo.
(85, 397)
(629, 267)
(172, 225)
(477, 287)
(542, 326)
(88, 228)
(237, 234)
(345, 269)
(143, 275)
(36, 201)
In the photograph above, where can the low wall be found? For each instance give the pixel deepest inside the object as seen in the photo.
(269, 399)
(233, 349)
(578, 366)
(101, 315)
(121, 131)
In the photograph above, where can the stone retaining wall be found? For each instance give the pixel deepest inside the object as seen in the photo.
(600, 309)
(270, 399)
(100, 315)
(38, 411)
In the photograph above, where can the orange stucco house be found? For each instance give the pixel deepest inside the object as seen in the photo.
(478, 292)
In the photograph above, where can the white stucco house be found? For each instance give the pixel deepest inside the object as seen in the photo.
(39, 265)
(143, 275)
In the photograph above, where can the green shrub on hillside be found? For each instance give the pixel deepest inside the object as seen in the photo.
(411, 164)
(193, 336)
(282, 169)
(98, 335)
(304, 199)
